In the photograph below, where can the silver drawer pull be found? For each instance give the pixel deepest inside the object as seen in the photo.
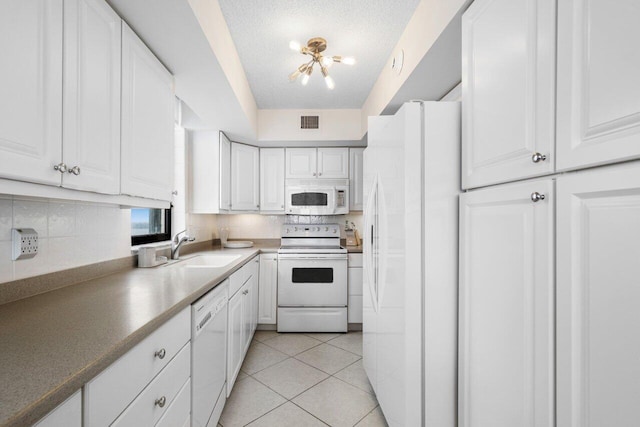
(74, 170)
(536, 197)
(161, 402)
(537, 157)
(60, 167)
(160, 354)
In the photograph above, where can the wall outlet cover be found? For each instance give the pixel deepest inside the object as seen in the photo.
(25, 243)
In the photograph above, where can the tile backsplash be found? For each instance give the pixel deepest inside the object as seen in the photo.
(70, 234)
(256, 226)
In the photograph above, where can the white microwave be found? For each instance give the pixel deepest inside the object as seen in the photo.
(317, 196)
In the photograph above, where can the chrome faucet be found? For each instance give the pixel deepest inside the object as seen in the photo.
(177, 241)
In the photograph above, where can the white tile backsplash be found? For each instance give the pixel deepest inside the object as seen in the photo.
(70, 234)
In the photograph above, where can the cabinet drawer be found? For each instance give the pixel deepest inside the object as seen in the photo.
(354, 313)
(355, 260)
(178, 412)
(146, 409)
(239, 278)
(111, 391)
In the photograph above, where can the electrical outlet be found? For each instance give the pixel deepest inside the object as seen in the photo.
(25, 243)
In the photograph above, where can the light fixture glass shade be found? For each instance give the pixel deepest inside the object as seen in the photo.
(329, 81)
(305, 79)
(294, 45)
(327, 61)
(293, 76)
(348, 60)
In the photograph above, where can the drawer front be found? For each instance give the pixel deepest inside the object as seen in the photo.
(354, 276)
(107, 395)
(239, 278)
(355, 309)
(178, 412)
(147, 410)
(355, 260)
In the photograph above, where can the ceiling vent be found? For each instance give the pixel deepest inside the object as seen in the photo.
(309, 122)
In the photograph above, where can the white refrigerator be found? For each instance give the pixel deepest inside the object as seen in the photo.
(410, 245)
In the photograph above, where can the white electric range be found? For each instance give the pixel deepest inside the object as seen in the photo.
(312, 279)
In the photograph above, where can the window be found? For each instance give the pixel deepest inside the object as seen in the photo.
(150, 225)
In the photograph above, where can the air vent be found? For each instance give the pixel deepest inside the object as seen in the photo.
(309, 122)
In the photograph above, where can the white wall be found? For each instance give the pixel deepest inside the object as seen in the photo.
(70, 234)
(284, 125)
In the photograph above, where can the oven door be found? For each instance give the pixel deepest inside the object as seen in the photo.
(312, 280)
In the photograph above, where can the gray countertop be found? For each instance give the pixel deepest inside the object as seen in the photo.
(51, 344)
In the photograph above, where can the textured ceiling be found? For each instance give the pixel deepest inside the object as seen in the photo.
(365, 29)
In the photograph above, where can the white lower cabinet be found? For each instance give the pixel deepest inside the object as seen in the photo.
(506, 342)
(178, 414)
(114, 389)
(598, 296)
(67, 414)
(268, 289)
(354, 280)
(156, 399)
(243, 317)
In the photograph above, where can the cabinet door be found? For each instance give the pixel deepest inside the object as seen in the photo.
(245, 177)
(225, 173)
(598, 321)
(246, 315)
(598, 85)
(268, 289)
(147, 121)
(301, 163)
(235, 342)
(91, 126)
(67, 414)
(272, 180)
(506, 372)
(356, 198)
(508, 77)
(31, 90)
(333, 163)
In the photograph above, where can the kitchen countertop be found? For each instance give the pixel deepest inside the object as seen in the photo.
(53, 343)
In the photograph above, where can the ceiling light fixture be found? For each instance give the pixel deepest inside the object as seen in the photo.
(314, 48)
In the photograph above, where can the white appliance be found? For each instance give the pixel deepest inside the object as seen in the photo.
(312, 279)
(317, 196)
(209, 356)
(410, 245)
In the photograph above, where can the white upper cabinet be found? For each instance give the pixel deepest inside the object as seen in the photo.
(31, 90)
(598, 84)
(225, 173)
(333, 163)
(148, 106)
(506, 362)
(356, 162)
(301, 163)
(272, 180)
(598, 241)
(91, 126)
(305, 163)
(508, 96)
(245, 177)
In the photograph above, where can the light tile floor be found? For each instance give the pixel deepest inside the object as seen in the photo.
(298, 380)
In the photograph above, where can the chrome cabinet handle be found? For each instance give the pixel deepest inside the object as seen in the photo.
(281, 206)
(160, 354)
(314, 174)
(536, 197)
(161, 402)
(537, 158)
(75, 170)
(60, 167)
(319, 173)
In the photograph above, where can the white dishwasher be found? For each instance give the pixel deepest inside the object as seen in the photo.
(209, 356)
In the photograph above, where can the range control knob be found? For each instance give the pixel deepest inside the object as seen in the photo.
(326, 229)
(287, 230)
(334, 231)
